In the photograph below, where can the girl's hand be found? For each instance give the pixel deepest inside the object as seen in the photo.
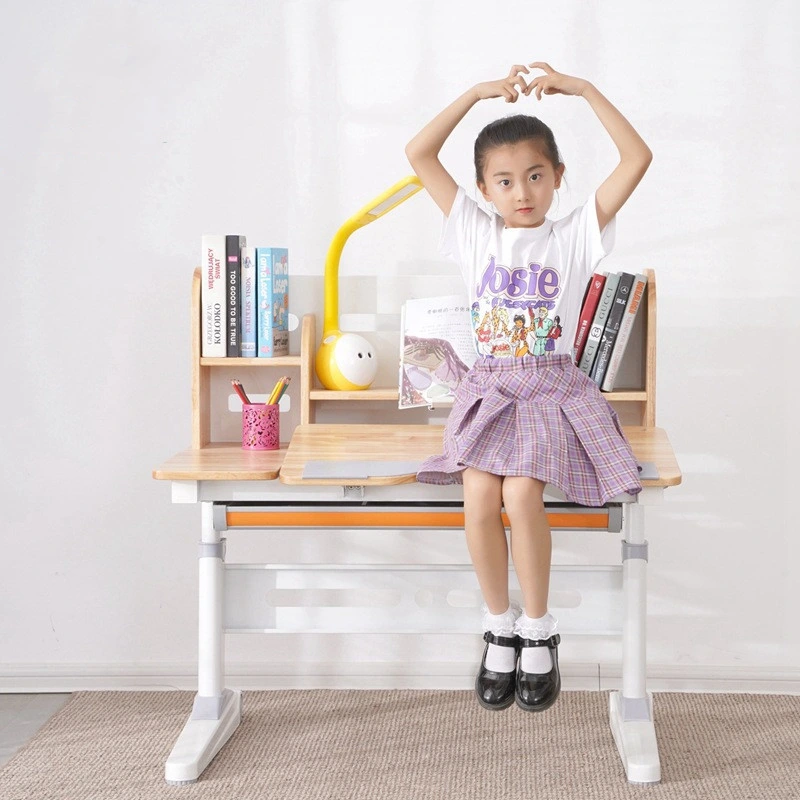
(508, 87)
(553, 82)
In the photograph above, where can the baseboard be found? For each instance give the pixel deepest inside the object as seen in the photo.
(381, 675)
(697, 678)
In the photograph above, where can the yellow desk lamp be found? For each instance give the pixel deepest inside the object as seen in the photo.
(346, 361)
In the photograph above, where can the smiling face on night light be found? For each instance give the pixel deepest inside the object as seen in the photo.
(355, 359)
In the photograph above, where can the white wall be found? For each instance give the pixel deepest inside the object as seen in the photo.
(131, 128)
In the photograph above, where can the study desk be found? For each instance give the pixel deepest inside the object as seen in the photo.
(251, 489)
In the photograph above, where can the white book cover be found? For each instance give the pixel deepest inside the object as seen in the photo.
(213, 296)
(437, 348)
(248, 319)
(626, 326)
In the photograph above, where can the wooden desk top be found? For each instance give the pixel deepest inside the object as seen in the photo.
(222, 461)
(359, 443)
(345, 442)
(417, 442)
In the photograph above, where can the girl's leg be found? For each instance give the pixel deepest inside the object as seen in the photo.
(486, 536)
(486, 539)
(531, 549)
(531, 542)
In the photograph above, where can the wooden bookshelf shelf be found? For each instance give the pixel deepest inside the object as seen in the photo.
(364, 394)
(391, 394)
(626, 396)
(641, 361)
(277, 361)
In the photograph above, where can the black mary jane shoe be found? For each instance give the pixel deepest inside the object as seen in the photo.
(495, 690)
(535, 692)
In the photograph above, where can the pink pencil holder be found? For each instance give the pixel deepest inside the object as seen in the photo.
(261, 428)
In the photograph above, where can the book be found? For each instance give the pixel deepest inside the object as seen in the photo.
(437, 348)
(233, 271)
(612, 327)
(272, 327)
(591, 298)
(598, 323)
(212, 296)
(628, 318)
(248, 312)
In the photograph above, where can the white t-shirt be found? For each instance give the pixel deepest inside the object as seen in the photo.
(525, 285)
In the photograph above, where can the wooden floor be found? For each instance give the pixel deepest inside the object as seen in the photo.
(21, 715)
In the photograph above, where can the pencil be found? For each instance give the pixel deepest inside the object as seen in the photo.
(239, 389)
(282, 391)
(275, 391)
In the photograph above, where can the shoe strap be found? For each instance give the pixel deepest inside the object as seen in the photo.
(503, 641)
(553, 641)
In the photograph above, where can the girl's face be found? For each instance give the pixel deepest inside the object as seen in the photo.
(520, 180)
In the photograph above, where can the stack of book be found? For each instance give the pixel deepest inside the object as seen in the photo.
(244, 298)
(609, 310)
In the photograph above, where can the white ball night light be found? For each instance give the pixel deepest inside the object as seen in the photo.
(352, 362)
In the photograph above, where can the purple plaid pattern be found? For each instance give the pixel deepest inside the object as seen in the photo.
(540, 417)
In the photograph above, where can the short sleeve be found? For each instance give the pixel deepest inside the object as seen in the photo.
(587, 244)
(463, 229)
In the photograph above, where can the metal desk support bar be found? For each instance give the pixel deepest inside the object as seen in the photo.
(631, 710)
(217, 711)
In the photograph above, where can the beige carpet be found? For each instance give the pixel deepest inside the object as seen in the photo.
(387, 745)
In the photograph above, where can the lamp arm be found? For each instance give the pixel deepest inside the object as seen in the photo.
(331, 314)
(376, 208)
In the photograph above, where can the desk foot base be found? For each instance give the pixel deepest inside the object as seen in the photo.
(201, 740)
(636, 741)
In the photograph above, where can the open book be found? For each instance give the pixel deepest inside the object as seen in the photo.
(436, 349)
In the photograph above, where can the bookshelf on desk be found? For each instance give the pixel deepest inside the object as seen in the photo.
(635, 405)
(241, 490)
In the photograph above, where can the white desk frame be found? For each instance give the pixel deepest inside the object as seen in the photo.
(217, 710)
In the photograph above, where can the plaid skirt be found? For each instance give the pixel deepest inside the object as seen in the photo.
(539, 417)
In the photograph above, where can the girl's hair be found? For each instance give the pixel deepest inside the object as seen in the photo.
(510, 130)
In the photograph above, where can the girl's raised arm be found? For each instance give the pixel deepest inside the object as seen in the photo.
(423, 150)
(634, 155)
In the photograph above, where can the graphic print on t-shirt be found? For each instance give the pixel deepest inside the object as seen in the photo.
(514, 314)
(525, 286)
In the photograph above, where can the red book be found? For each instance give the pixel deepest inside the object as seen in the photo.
(590, 300)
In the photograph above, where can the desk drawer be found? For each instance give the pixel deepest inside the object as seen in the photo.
(410, 598)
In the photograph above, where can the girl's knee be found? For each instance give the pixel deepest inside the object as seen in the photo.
(482, 490)
(525, 495)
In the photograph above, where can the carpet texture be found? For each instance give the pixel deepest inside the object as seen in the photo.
(398, 744)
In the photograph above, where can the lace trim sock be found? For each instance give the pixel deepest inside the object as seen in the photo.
(535, 659)
(499, 658)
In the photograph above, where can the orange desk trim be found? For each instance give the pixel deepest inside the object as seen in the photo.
(388, 519)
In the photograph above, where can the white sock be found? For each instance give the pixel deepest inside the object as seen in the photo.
(535, 659)
(499, 658)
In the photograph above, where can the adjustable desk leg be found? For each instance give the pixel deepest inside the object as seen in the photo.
(217, 711)
(631, 710)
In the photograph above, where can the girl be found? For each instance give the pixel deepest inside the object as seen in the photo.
(521, 422)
